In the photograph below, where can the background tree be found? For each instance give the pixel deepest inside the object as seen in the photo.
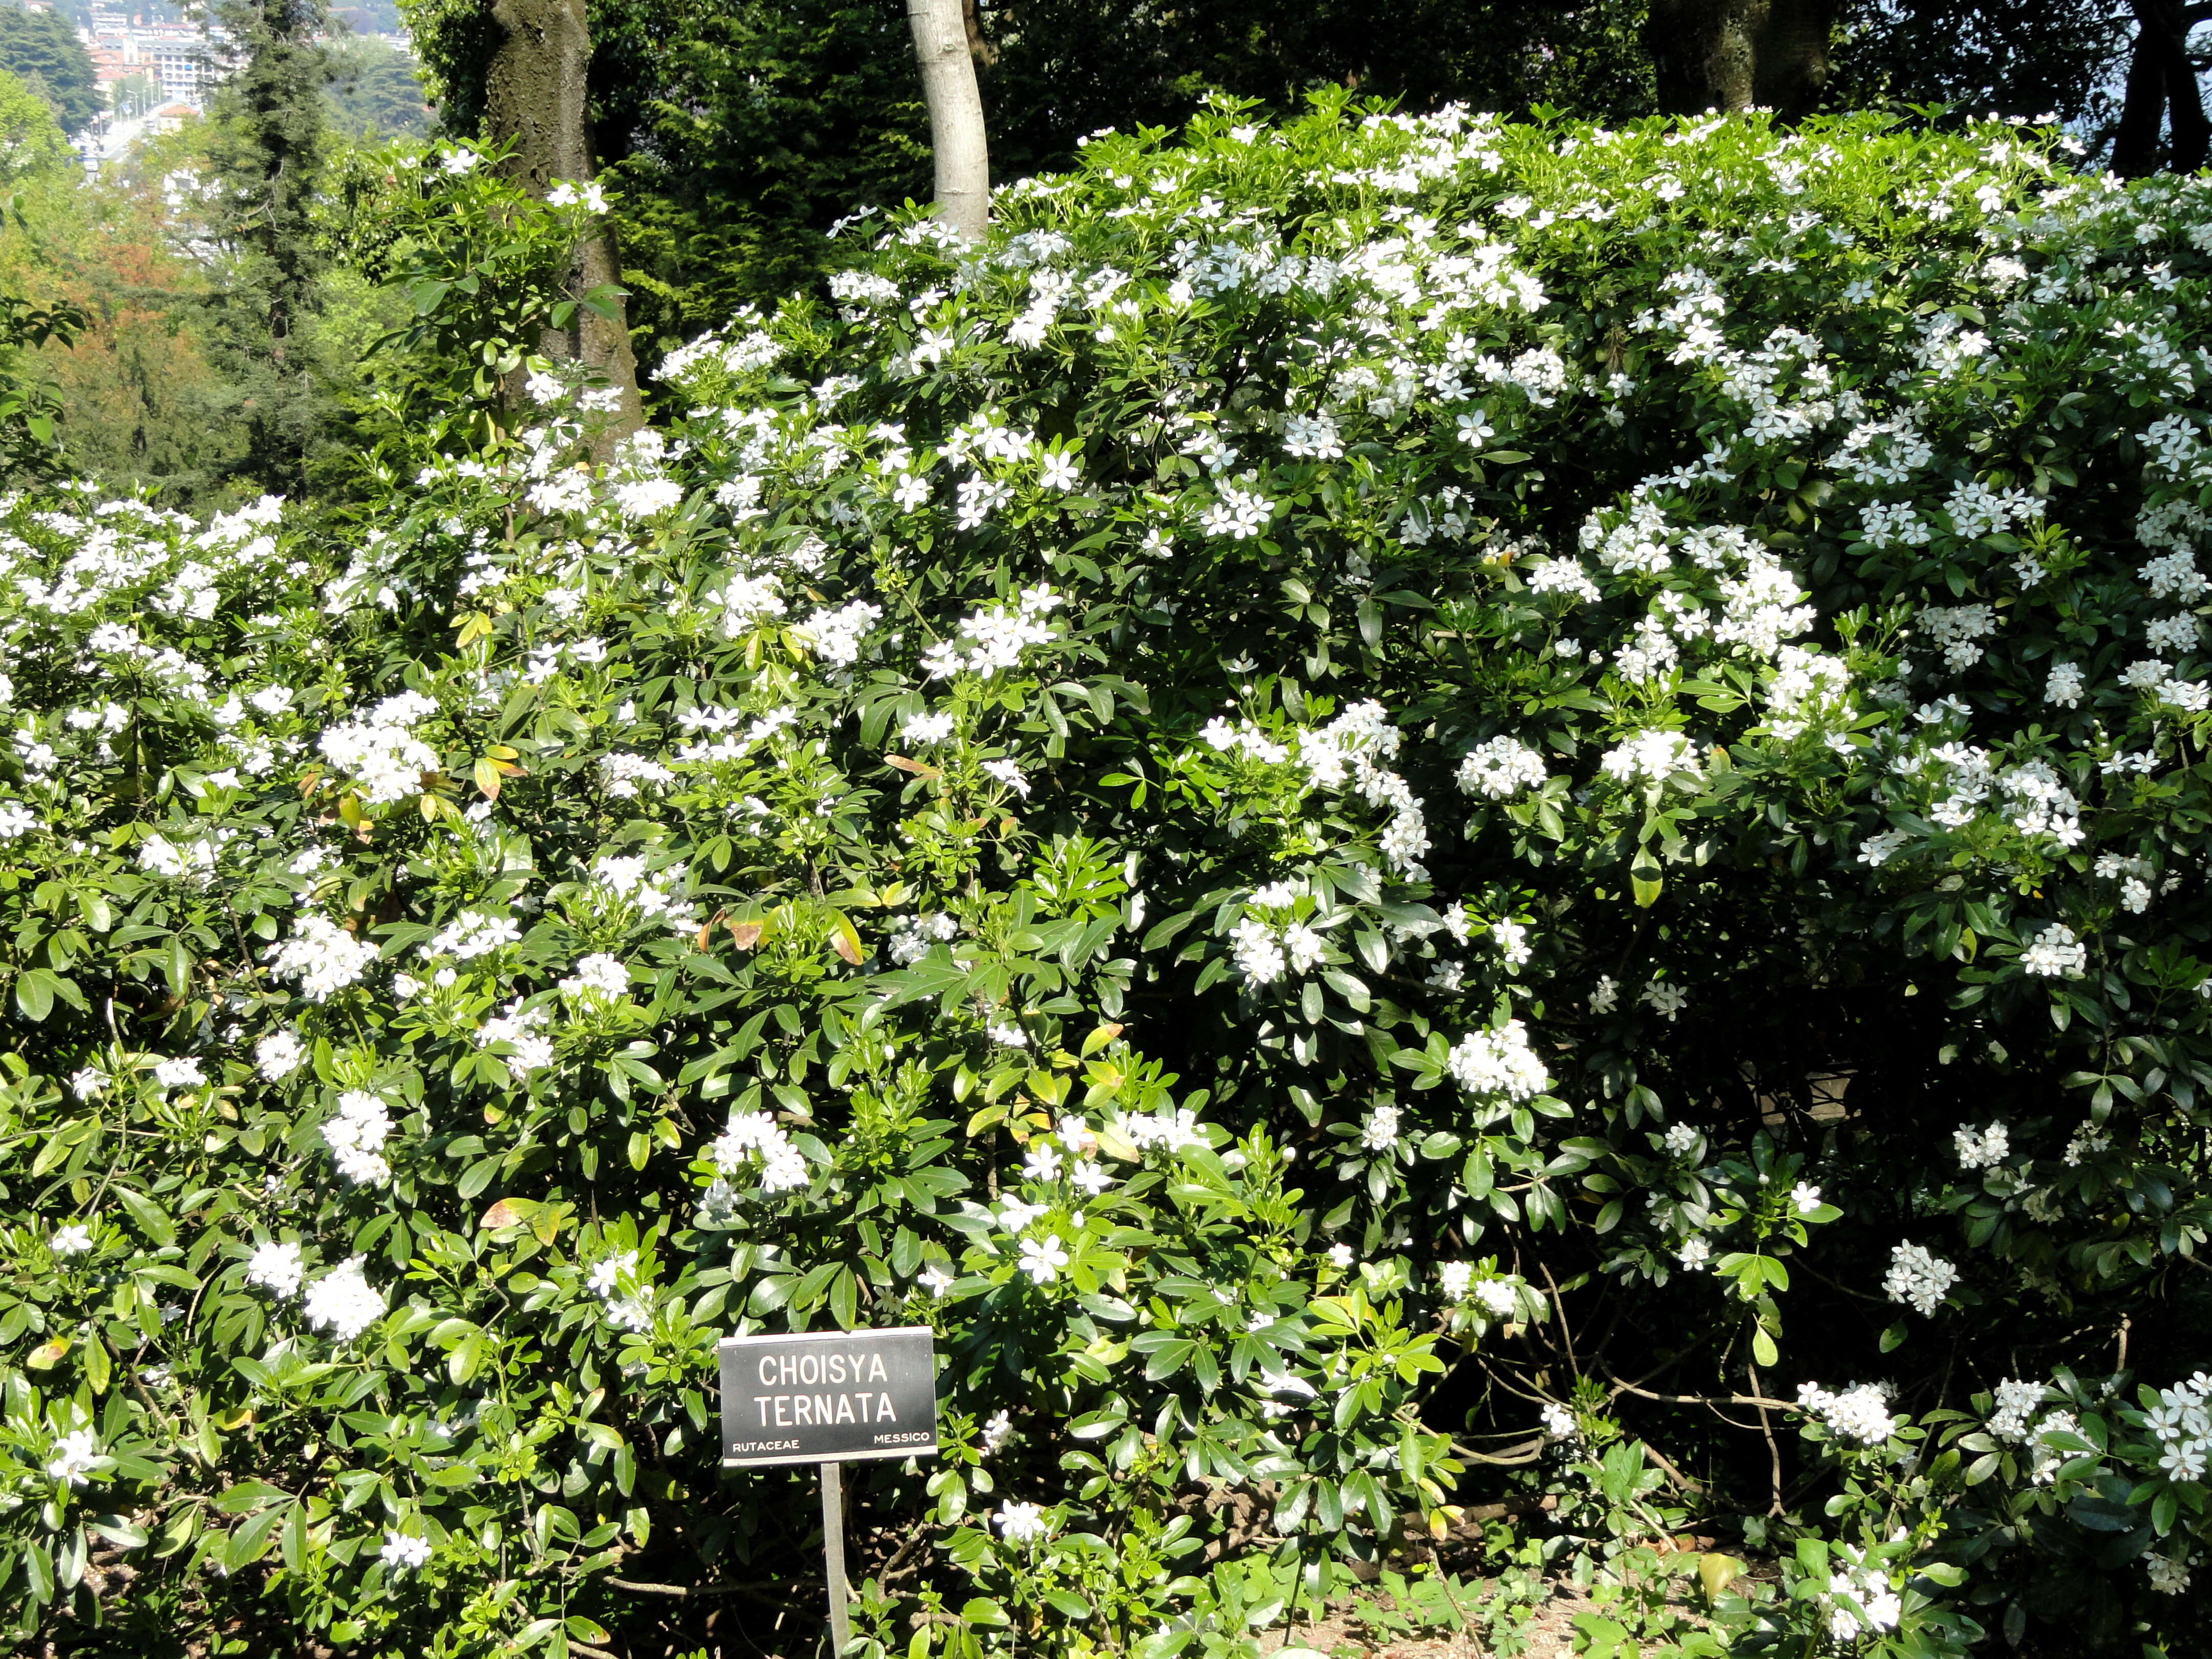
(946, 51)
(1739, 54)
(42, 50)
(268, 140)
(30, 139)
(2017, 57)
(375, 89)
(2162, 121)
(536, 110)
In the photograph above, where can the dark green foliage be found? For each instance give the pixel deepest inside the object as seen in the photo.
(374, 89)
(2030, 58)
(268, 148)
(29, 412)
(43, 50)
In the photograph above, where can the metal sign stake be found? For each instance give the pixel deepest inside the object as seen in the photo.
(833, 1554)
(828, 1398)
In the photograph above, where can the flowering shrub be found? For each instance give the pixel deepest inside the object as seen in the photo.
(1397, 811)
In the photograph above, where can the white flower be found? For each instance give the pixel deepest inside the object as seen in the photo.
(1917, 1279)
(600, 976)
(1340, 1257)
(1806, 1197)
(2055, 951)
(998, 1431)
(1008, 773)
(1498, 1062)
(1681, 1140)
(344, 1302)
(1860, 1412)
(275, 1267)
(1982, 1149)
(1499, 1297)
(1606, 995)
(1043, 1258)
(74, 1239)
(1559, 1421)
(1696, 1254)
(1664, 999)
(75, 1453)
(1454, 1278)
(755, 1141)
(1058, 470)
(1022, 1524)
(934, 1279)
(1043, 1163)
(182, 1072)
(926, 728)
(1654, 756)
(403, 1553)
(1380, 1132)
(322, 957)
(279, 1054)
(1500, 768)
(355, 1136)
(2016, 1402)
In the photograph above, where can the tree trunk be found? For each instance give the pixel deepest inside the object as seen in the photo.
(2142, 111)
(955, 114)
(1735, 54)
(534, 99)
(2162, 79)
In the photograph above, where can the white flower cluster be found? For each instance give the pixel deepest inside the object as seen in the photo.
(992, 639)
(1982, 1149)
(276, 1267)
(1499, 1061)
(912, 936)
(472, 935)
(613, 1279)
(657, 894)
(599, 978)
(344, 1302)
(1649, 756)
(1500, 768)
(1865, 1603)
(355, 1136)
(2181, 1423)
(754, 1142)
(1860, 1412)
(280, 1054)
(1264, 946)
(523, 1031)
(1355, 743)
(2015, 1404)
(838, 633)
(1165, 1131)
(380, 751)
(1917, 1279)
(322, 957)
(2055, 952)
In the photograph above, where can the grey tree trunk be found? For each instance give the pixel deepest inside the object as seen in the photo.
(955, 114)
(534, 99)
(1739, 54)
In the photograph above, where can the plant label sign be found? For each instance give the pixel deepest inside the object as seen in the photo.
(829, 1397)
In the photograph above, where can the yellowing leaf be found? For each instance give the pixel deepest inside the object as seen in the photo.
(488, 778)
(47, 1355)
(1715, 1572)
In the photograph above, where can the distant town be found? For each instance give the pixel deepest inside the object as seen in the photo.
(156, 66)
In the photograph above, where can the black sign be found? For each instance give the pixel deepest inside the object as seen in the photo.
(829, 1397)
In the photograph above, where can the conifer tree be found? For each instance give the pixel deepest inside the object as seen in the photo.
(269, 145)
